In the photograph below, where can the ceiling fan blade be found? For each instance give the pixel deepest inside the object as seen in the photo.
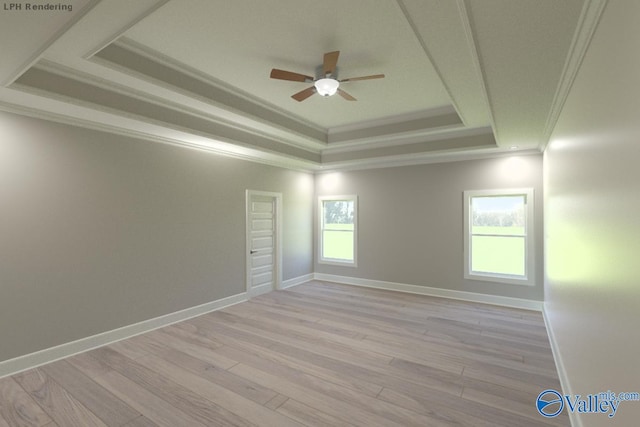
(330, 62)
(289, 75)
(345, 95)
(304, 94)
(352, 79)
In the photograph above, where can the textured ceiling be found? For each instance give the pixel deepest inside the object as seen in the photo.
(464, 78)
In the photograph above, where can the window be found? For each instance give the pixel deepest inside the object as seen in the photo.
(498, 236)
(338, 228)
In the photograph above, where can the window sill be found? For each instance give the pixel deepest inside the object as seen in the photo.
(338, 263)
(510, 280)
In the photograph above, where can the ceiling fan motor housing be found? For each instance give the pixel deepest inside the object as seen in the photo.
(320, 73)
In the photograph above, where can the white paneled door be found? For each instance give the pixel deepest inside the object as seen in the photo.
(263, 255)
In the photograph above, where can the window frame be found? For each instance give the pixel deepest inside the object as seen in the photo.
(529, 247)
(337, 261)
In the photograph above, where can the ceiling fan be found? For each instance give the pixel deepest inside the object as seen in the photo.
(326, 82)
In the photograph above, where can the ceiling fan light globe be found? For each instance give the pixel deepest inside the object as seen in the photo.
(327, 86)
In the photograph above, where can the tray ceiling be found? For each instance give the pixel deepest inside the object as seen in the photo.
(464, 79)
(226, 42)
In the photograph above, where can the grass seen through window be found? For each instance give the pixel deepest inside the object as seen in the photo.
(338, 230)
(498, 235)
(338, 241)
(491, 254)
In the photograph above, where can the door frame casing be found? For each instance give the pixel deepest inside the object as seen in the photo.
(277, 197)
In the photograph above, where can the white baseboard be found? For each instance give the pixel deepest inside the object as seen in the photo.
(562, 373)
(259, 290)
(32, 360)
(435, 292)
(297, 281)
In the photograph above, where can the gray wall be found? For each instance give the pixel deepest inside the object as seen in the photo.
(99, 231)
(410, 221)
(592, 202)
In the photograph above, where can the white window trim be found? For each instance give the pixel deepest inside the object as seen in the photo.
(333, 261)
(529, 276)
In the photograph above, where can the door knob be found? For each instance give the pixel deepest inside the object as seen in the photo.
(252, 251)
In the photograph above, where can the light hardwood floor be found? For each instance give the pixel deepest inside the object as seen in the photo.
(317, 354)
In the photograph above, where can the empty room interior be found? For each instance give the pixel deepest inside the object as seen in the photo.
(297, 213)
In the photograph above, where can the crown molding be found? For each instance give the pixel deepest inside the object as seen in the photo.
(238, 145)
(141, 62)
(127, 91)
(436, 146)
(440, 134)
(587, 24)
(392, 120)
(66, 85)
(195, 142)
(70, 86)
(226, 149)
(445, 156)
(385, 131)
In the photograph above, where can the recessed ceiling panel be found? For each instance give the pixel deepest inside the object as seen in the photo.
(239, 42)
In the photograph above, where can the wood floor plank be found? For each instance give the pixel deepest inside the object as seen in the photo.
(57, 402)
(255, 309)
(199, 344)
(250, 412)
(215, 374)
(316, 354)
(344, 309)
(446, 414)
(141, 421)
(18, 408)
(459, 412)
(339, 408)
(437, 380)
(250, 311)
(505, 398)
(175, 338)
(147, 403)
(290, 356)
(343, 319)
(277, 401)
(515, 336)
(390, 344)
(515, 382)
(310, 416)
(305, 339)
(518, 372)
(111, 410)
(315, 384)
(268, 339)
(175, 394)
(90, 366)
